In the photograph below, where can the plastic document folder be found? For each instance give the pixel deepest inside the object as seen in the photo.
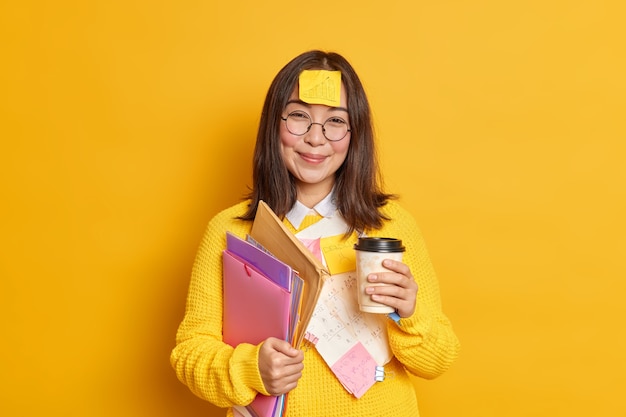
(274, 270)
(255, 307)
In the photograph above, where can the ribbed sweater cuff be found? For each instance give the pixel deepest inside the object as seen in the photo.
(418, 324)
(246, 358)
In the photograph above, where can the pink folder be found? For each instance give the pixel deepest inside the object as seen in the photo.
(255, 308)
(266, 264)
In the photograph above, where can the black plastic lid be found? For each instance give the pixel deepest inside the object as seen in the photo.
(379, 244)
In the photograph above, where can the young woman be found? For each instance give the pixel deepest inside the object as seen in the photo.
(315, 166)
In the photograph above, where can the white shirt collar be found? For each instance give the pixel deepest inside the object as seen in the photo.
(325, 208)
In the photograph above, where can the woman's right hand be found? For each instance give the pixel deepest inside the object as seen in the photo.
(280, 365)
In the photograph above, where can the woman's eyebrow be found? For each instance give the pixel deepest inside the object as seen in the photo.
(302, 103)
(298, 102)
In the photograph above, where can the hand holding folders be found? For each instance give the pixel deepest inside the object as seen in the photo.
(268, 294)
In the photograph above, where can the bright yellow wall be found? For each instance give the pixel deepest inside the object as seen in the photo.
(125, 125)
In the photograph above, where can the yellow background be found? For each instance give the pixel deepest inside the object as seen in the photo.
(125, 125)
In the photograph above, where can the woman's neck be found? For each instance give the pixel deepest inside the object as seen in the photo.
(311, 194)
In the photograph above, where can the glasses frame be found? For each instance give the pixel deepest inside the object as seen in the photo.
(311, 123)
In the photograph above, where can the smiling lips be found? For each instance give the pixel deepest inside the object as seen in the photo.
(313, 158)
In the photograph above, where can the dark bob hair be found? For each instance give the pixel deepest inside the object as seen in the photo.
(358, 189)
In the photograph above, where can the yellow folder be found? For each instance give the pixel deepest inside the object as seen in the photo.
(273, 235)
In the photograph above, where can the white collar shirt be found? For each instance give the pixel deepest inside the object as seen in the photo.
(325, 208)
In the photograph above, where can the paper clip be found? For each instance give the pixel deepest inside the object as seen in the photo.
(380, 374)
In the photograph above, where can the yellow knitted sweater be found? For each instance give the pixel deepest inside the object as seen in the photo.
(424, 344)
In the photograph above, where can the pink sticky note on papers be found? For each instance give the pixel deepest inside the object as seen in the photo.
(356, 370)
(313, 245)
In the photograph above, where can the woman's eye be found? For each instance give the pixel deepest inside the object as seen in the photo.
(299, 115)
(336, 121)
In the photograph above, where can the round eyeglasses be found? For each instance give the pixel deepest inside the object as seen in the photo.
(299, 123)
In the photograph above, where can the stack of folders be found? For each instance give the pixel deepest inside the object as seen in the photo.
(265, 294)
(271, 285)
(261, 299)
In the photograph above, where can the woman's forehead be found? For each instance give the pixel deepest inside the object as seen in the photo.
(296, 97)
(320, 87)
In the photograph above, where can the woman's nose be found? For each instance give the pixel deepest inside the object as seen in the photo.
(315, 135)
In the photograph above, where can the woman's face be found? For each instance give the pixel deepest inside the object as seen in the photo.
(311, 158)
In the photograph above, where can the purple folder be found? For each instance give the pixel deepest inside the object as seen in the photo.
(268, 265)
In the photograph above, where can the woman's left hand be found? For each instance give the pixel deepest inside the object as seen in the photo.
(401, 293)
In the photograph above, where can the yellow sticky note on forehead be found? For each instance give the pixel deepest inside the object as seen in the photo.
(320, 87)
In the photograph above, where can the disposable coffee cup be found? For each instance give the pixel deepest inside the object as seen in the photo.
(370, 253)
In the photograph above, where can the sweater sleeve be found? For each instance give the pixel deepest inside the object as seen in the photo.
(213, 370)
(424, 343)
